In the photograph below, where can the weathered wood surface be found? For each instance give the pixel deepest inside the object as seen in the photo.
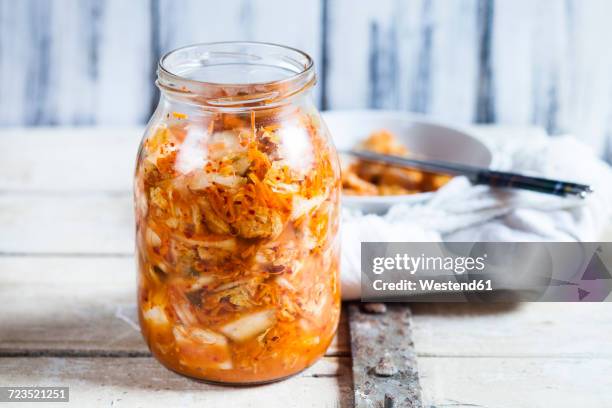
(67, 271)
(514, 331)
(67, 285)
(506, 382)
(72, 320)
(79, 305)
(101, 159)
(73, 303)
(70, 62)
(54, 160)
(143, 382)
(64, 223)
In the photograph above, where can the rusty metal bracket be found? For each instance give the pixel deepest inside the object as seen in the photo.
(384, 360)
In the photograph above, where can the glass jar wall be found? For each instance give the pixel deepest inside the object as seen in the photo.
(237, 191)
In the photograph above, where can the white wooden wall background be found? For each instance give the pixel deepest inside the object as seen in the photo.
(545, 62)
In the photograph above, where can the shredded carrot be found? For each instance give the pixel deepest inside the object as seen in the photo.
(179, 115)
(365, 178)
(238, 270)
(211, 126)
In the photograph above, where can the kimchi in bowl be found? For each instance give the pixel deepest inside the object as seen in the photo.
(408, 134)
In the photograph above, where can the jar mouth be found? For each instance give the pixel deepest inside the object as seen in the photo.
(235, 74)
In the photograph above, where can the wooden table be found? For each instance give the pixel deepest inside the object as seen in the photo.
(67, 289)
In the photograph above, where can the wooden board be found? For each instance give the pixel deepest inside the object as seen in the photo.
(196, 21)
(70, 192)
(68, 274)
(129, 382)
(515, 382)
(404, 55)
(67, 224)
(86, 160)
(55, 160)
(67, 281)
(99, 293)
(447, 382)
(513, 331)
(71, 62)
(518, 62)
(548, 69)
(79, 306)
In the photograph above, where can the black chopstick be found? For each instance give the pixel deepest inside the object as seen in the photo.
(479, 175)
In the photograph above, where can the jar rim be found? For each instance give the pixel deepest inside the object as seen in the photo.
(297, 66)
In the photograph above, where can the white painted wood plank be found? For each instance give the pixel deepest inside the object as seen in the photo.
(414, 55)
(195, 21)
(72, 62)
(589, 109)
(454, 60)
(67, 223)
(59, 303)
(82, 305)
(78, 304)
(70, 97)
(531, 63)
(14, 57)
(351, 32)
(95, 159)
(515, 382)
(520, 330)
(81, 62)
(86, 178)
(512, 60)
(56, 303)
(552, 67)
(68, 159)
(296, 24)
(126, 63)
(129, 382)
(85, 307)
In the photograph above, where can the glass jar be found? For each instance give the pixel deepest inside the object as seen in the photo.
(237, 192)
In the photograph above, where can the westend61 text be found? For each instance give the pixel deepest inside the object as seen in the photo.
(431, 285)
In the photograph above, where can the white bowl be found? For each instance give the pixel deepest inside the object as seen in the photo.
(422, 136)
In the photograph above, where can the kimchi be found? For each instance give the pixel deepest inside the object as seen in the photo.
(237, 217)
(364, 178)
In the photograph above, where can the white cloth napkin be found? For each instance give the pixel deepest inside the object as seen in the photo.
(462, 212)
